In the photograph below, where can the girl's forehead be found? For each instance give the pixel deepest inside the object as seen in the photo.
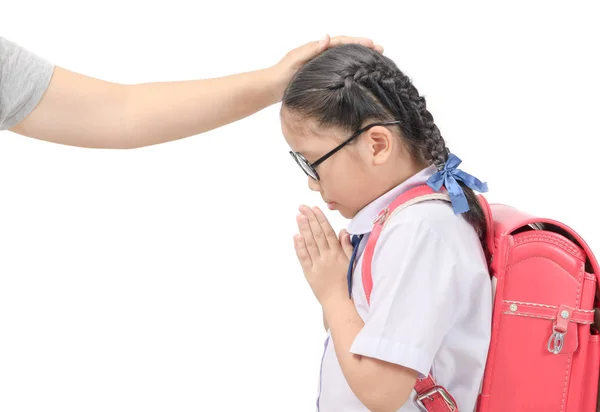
(295, 123)
(301, 130)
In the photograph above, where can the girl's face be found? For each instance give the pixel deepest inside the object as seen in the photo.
(356, 174)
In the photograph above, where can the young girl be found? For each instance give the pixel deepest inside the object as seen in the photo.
(362, 133)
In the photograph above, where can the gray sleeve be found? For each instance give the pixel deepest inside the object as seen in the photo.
(24, 78)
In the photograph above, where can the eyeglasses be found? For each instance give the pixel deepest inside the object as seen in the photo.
(310, 168)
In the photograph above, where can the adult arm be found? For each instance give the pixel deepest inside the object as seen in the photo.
(83, 111)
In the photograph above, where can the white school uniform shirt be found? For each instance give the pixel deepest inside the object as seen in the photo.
(431, 303)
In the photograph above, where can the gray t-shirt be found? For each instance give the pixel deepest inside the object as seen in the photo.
(24, 78)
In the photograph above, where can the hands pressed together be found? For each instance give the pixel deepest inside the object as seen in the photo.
(323, 255)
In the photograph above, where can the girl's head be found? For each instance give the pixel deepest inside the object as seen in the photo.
(360, 119)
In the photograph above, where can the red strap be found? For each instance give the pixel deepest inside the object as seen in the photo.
(550, 312)
(430, 397)
(434, 398)
(378, 226)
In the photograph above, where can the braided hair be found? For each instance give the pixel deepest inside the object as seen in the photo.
(348, 85)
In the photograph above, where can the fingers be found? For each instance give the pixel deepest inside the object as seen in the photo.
(300, 55)
(346, 243)
(306, 52)
(323, 43)
(338, 40)
(307, 235)
(330, 235)
(316, 229)
(302, 252)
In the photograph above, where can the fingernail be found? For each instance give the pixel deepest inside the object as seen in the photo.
(323, 40)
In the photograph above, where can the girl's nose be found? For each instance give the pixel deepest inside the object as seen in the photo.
(313, 185)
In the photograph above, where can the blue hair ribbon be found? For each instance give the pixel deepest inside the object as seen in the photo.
(449, 177)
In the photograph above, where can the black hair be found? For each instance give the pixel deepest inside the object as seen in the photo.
(348, 85)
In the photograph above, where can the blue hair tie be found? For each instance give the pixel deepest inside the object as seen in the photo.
(449, 177)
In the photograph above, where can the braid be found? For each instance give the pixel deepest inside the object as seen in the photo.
(385, 87)
(437, 152)
(436, 145)
(401, 99)
(394, 90)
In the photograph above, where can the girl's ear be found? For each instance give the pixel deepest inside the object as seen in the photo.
(381, 142)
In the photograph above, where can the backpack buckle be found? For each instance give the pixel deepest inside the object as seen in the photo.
(559, 330)
(436, 390)
(556, 342)
(382, 216)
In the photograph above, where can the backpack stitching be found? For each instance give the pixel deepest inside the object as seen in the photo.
(570, 355)
(562, 406)
(547, 238)
(532, 304)
(544, 257)
(547, 317)
(545, 306)
(499, 292)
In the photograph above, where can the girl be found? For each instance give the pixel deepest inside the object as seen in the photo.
(362, 133)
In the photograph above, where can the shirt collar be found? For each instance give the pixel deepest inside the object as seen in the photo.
(362, 222)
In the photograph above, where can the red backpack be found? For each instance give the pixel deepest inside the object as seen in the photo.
(544, 353)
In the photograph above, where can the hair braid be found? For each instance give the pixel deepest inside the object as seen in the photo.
(400, 97)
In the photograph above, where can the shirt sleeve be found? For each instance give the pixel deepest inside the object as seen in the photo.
(414, 299)
(24, 78)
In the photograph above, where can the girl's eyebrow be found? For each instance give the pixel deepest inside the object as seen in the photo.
(310, 155)
(307, 152)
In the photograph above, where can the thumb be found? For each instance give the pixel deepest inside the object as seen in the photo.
(294, 59)
(310, 50)
(323, 44)
(346, 244)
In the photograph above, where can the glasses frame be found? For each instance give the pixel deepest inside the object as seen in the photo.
(310, 168)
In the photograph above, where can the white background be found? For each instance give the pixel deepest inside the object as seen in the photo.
(164, 278)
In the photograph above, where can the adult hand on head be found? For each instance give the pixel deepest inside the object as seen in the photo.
(285, 69)
(61, 106)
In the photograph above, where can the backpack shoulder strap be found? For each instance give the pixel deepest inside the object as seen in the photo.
(430, 396)
(408, 198)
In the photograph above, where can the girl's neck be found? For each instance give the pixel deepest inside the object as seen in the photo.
(406, 173)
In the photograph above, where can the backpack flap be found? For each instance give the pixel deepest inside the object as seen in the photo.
(509, 220)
